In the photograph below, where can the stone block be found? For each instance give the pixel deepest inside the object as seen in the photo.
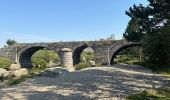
(20, 72)
(4, 72)
(15, 67)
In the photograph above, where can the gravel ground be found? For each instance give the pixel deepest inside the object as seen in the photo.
(97, 83)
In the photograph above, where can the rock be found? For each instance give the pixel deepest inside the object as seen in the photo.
(20, 72)
(15, 67)
(53, 72)
(84, 59)
(66, 50)
(92, 63)
(51, 64)
(4, 72)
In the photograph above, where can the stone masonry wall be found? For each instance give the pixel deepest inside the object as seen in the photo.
(8, 52)
(66, 58)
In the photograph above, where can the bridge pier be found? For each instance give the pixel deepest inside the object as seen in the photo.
(66, 58)
(101, 55)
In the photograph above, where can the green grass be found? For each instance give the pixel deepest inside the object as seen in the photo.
(82, 66)
(156, 68)
(131, 60)
(160, 94)
(5, 62)
(128, 59)
(15, 81)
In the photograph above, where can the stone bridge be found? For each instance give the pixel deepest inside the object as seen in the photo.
(105, 51)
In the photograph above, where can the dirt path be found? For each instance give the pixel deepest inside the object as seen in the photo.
(108, 83)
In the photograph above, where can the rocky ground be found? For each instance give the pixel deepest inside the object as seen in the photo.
(108, 83)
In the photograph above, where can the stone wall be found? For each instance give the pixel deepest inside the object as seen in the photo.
(9, 52)
(101, 54)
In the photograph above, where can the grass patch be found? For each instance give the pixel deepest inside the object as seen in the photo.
(128, 59)
(160, 94)
(155, 68)
(131, 60)
(15, 81)
(82, 66)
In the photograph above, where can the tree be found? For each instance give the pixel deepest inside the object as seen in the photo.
(157, 47)
(132, 32)
(11, 42)
(153, 24)
(161, 8)
(140, 23)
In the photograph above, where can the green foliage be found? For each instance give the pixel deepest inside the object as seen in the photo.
(160, 94)
(132, 32)
(133, 51)
(157, 47)
(161, 8)
(16, 81)
(153, 21)
(82, 66)
(43, 57)
(5, 63)
(128, 59)
(130, 56)
(140, 23)
(155, 68)
(11, 42)
(88, 55)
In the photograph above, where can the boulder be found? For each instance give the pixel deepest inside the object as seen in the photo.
(4, 72)
(20, 72)
(53, 72)
(51, 64)
(92, 63)
(15, 67)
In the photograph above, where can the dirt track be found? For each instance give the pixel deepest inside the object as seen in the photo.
(108, 83)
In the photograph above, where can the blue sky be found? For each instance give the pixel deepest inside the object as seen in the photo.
(63, 20)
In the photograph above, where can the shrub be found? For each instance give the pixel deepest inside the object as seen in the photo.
(5, 63)
(88, 55)
(43, 57)
(82, 66)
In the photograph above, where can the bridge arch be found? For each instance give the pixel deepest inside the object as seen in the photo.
(77, 53)
(116, 49)
(26, 54)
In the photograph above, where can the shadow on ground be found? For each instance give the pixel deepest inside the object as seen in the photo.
(93, 83)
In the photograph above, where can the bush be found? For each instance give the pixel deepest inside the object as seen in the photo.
(5, 63)
(82, 66)
(43, 57)
(88, 55)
